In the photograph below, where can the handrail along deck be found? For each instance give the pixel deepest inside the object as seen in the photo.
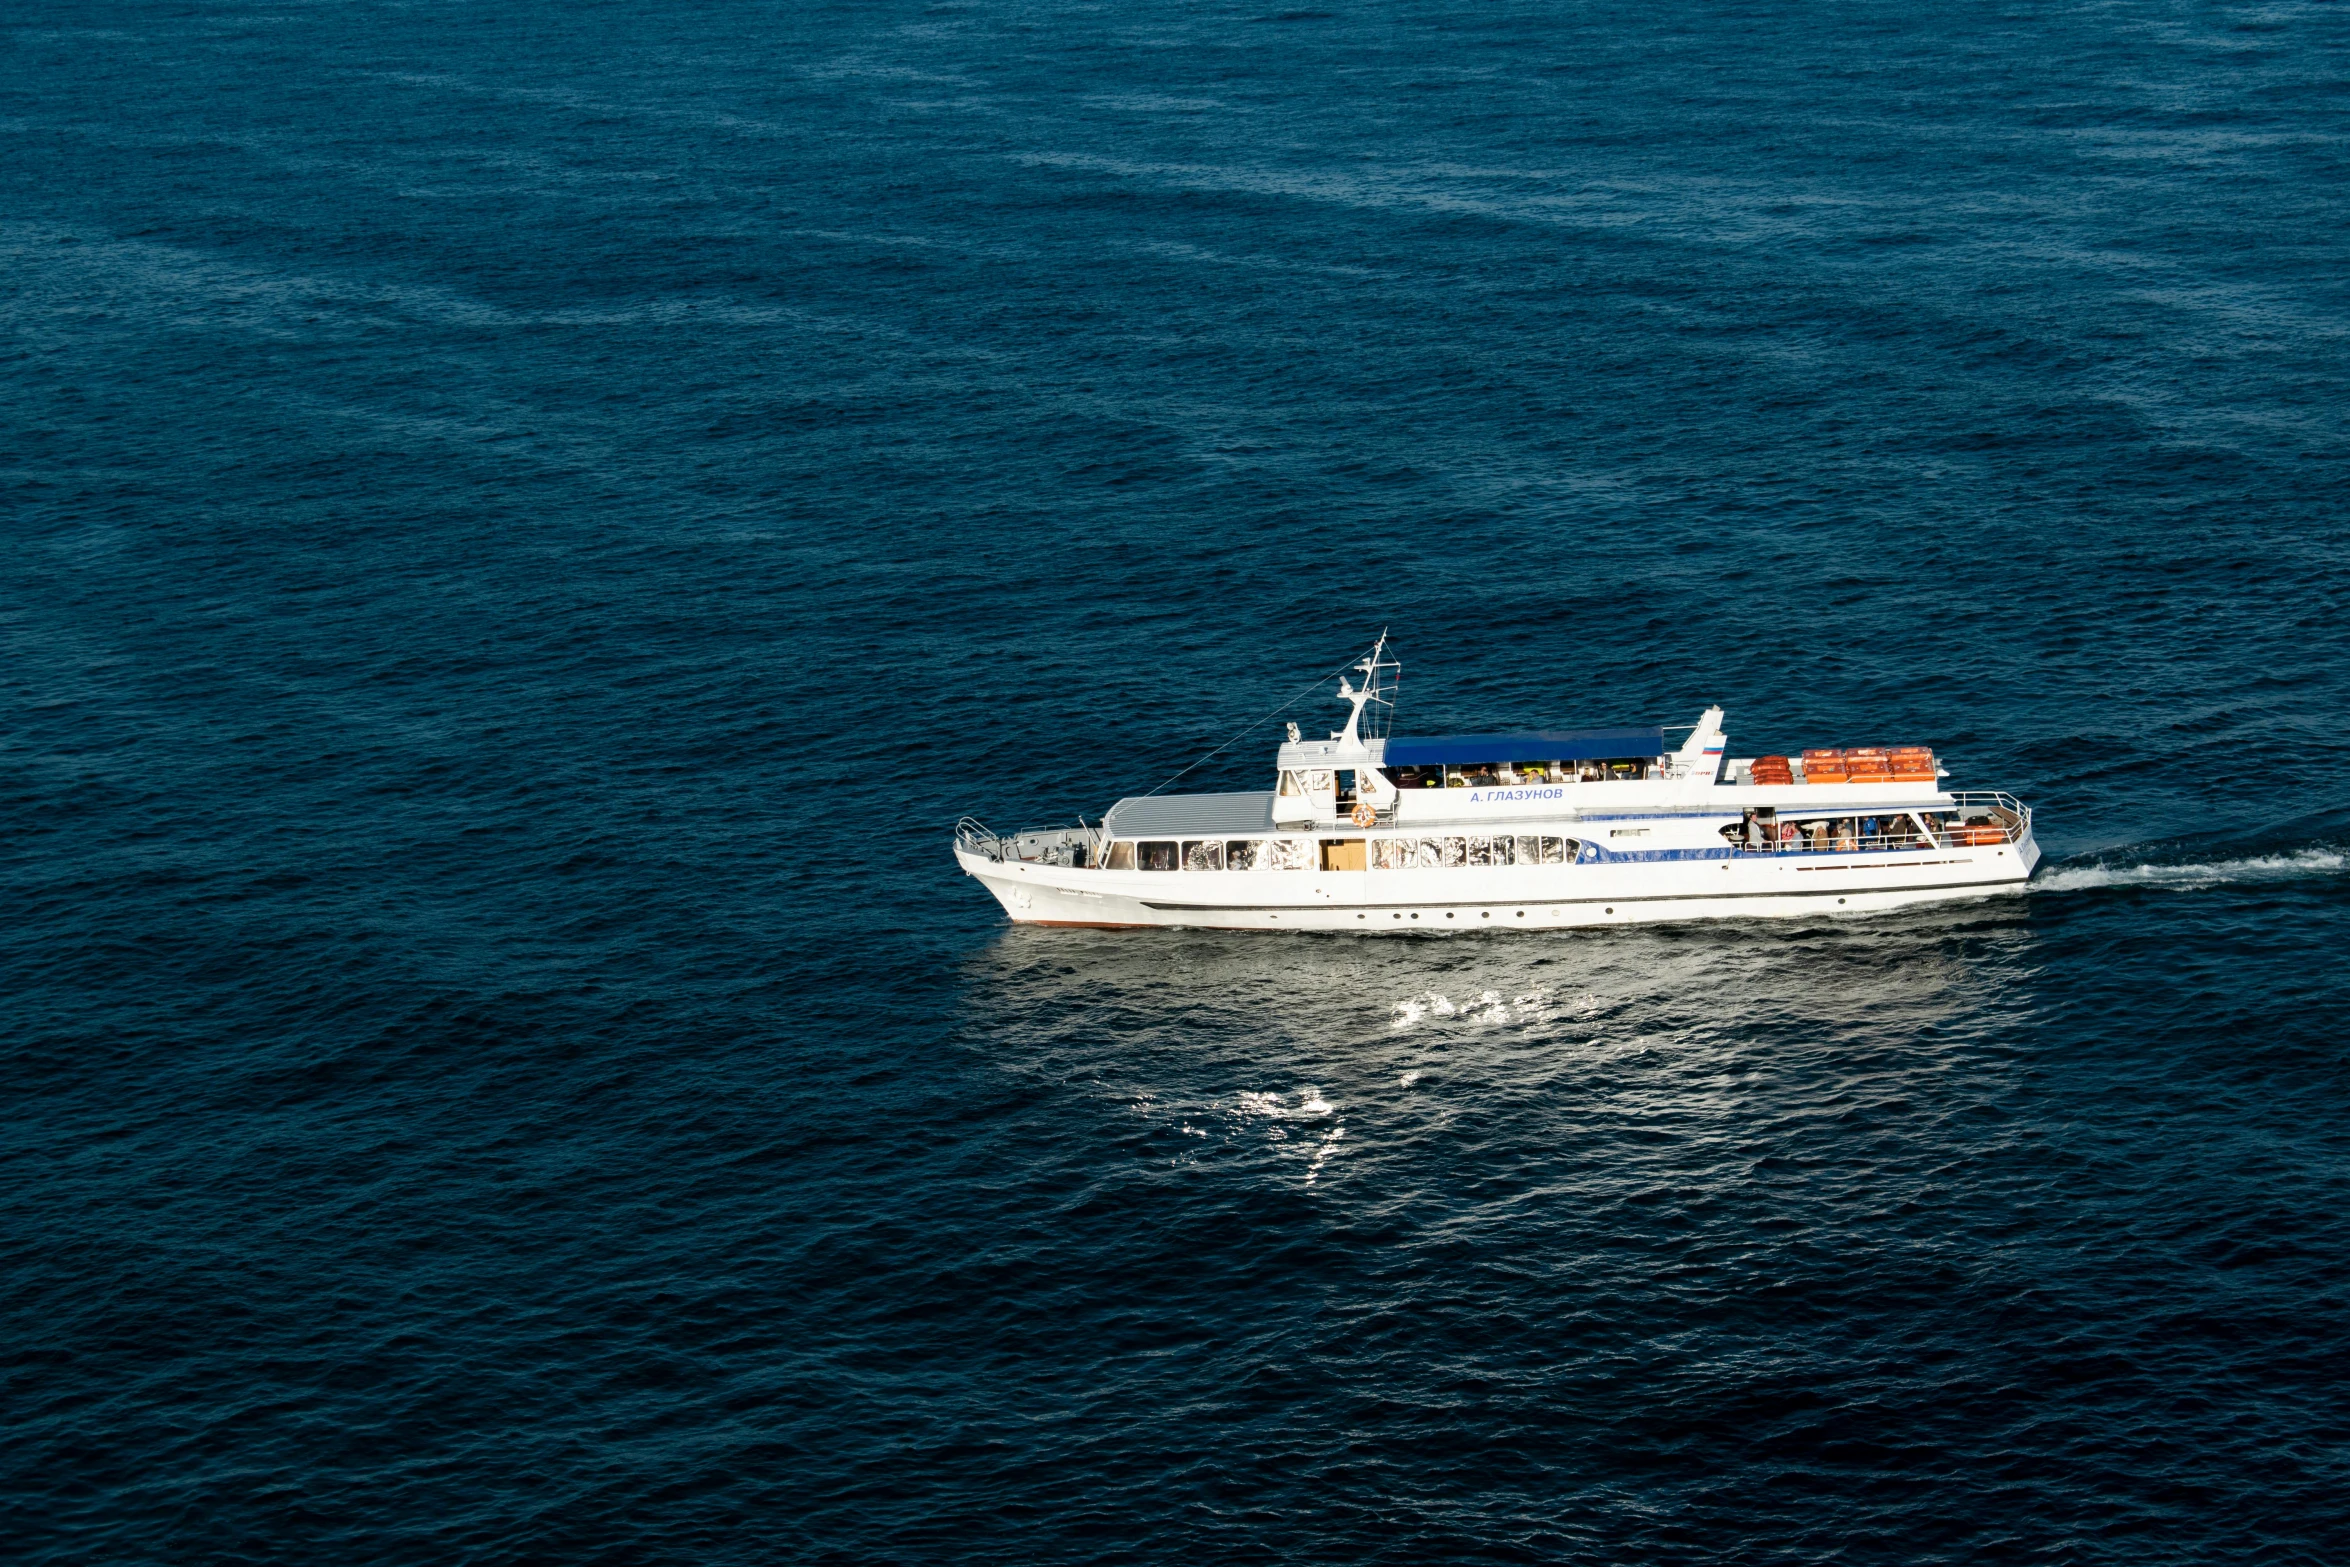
(1987, 817)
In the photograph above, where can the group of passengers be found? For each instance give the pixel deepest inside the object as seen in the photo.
(1507, 775)
(1763, 834)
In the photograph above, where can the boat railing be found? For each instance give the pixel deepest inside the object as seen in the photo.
(1986, 811)
(974, 836)
(1073, 847)
(1985, 818)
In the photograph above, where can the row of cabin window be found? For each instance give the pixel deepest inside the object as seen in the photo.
(1298, 854)
(1507, 775)
(1405, 854)
(1484, 775)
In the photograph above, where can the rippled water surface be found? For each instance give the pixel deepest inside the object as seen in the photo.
(525, 526)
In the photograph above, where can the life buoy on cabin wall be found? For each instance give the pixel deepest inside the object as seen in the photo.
(1364, 815)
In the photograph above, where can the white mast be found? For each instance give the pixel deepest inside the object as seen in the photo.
(1351, 737)
(1371, 786)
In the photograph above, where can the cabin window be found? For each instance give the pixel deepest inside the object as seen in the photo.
(1628, 832)
(1121, 857)
(1242, 854)
(1290, 784)
(1560, 851)
(1289, 854)
(1204, 856)
(1320, 782)
(1157, 856)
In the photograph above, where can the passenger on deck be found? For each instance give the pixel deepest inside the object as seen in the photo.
(1754, 832)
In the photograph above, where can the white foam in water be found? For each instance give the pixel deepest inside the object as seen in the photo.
(2299, 864)
(1482, 1010)
(1322, 1154)
(1311, 1106)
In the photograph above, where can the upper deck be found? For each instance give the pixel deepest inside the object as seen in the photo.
(1349, 780)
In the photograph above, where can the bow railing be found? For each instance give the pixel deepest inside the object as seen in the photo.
(1066, 846)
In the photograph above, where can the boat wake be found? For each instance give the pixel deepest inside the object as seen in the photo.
(2296, 865)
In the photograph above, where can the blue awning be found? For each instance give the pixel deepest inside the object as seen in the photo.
(1538, 745)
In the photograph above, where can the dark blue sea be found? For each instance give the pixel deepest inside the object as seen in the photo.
(526, 525)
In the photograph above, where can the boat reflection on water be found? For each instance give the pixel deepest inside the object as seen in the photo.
(1322, 1060)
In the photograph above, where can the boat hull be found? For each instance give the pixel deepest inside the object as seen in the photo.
(1544, 897)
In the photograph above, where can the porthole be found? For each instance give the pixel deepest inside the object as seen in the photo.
(1521, 913)
(1839, 900)
(1366, 916)
(1448, 914)
(1488, 914)
(1611, 911)
(1415, 914)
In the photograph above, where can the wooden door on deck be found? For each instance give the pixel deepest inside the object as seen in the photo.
(1344, 854)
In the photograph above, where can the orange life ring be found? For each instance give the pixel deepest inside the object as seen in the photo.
(1364, 815)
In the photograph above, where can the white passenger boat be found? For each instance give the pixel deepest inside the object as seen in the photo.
(1536, 830)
